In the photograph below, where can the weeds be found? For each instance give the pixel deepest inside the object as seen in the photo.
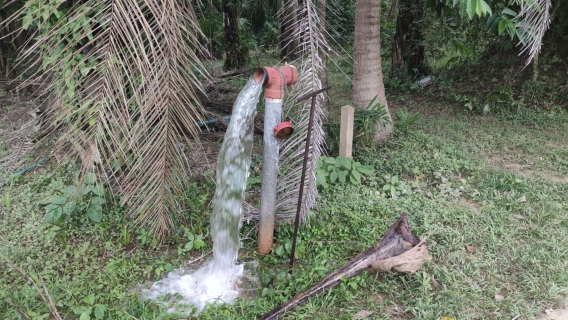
(406, 120)
(490, 191)
(340, 169)
(513, 242)
(367, 119)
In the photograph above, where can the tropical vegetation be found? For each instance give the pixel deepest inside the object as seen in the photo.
(107, 184)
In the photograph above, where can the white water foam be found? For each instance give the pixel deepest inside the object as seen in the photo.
(187, 293)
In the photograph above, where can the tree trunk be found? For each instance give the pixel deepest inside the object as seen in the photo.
(287, 21)
(235, 54)
(368, 72)
(407, 49)
(535, 67)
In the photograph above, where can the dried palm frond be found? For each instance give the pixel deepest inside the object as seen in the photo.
(533, 21)
(122, 77)
(311, 37)
(21, 143)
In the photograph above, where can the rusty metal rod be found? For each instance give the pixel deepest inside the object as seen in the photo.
(313, 94)
(305, 164)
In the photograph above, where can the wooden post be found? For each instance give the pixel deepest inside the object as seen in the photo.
(346, 132)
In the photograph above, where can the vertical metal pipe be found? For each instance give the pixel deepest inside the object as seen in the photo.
(270, 155)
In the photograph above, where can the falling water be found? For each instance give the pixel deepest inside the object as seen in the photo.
(215, 281)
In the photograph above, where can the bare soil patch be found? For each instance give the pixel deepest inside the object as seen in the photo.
(527, 170)
(15, 111)
(557, 314)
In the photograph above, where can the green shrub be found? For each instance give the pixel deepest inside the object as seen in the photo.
(340, 169)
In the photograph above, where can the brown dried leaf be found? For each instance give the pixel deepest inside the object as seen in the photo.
(499, 297)
(470, 248)
(409, 262)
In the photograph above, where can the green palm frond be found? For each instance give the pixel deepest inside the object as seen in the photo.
(121, 77)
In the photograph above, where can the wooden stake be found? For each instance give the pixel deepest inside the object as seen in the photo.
(346, 132)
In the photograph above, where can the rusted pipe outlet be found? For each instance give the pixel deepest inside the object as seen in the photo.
(275, 78)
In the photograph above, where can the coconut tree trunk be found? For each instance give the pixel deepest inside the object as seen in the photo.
(235, 54)
(367, 72)
(407, 49)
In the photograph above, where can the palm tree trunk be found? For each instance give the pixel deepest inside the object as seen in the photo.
(368, 72)
(235, 54)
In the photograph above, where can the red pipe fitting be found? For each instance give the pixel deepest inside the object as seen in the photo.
(274, 79)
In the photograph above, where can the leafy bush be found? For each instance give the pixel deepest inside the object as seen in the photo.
(448, 185)
(90, 198)
(396, 187)
(340, 169)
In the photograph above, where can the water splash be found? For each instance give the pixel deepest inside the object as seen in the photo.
(216, 281)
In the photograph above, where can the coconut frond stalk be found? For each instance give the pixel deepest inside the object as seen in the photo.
(120, 81)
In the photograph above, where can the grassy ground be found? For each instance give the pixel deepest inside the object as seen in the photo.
(498, 244)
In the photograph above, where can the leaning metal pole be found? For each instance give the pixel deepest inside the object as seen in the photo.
(304, 166)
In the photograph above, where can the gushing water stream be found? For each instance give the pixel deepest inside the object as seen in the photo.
(215, 281)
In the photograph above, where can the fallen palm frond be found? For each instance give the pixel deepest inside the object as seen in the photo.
(120, 78)
(22, 144)
(398, 248)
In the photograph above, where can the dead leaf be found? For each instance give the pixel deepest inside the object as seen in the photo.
(256, 169)
(522, 199)
(419, 177)
(434, 282)
(362, 314)
(470, 248)
(448, 318)
(409, 262)
(499, 297)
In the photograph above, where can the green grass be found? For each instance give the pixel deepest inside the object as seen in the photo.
(485, 241)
